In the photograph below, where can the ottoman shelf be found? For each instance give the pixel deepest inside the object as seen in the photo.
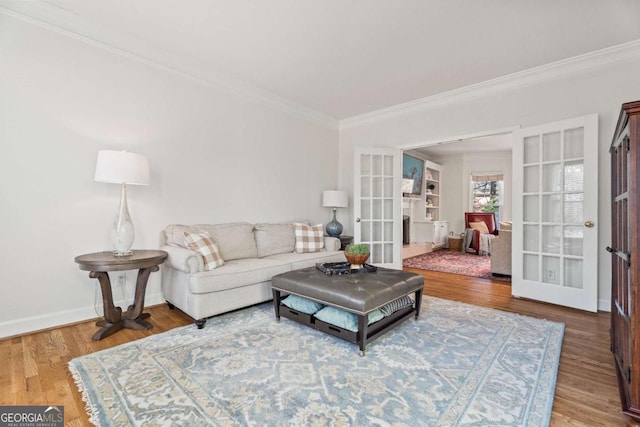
(373, 330)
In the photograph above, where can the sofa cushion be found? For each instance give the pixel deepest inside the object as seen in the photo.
(203, 244)
(273, 239)
(309, 238)
(235, 240)
(237, 273)
(174, 234)
(299, 261)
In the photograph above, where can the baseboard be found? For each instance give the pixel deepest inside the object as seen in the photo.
(54, 320)
(604, 305)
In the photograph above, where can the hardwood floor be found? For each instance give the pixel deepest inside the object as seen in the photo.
(34, 367)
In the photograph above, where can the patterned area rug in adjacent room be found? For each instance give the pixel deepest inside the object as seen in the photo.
(457, 365)
(455, 262)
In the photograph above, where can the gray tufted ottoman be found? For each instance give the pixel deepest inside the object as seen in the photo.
(358, 293)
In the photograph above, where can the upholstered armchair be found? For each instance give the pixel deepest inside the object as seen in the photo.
(480, 222)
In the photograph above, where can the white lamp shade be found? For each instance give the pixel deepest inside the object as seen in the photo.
(122, 167)
(335, 199)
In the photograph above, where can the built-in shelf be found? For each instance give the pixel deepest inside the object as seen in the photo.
(426, 226)
(433, 185)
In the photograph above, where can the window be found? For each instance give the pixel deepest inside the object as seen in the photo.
(486, 193)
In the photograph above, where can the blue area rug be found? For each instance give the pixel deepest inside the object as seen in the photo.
(457, 365)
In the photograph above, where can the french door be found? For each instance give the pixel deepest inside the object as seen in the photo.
(555, 190)
(377, 204)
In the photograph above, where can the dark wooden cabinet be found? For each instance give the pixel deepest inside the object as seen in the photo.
(625, 234)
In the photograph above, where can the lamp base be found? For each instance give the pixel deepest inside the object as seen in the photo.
(122, 232)
(124, 253)
(334, 228)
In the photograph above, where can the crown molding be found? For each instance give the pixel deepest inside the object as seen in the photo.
(62, 22)
(566, 67)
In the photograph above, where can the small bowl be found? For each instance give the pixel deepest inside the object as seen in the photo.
(356, 260)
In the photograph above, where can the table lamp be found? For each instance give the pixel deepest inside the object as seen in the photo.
(334, 199)
(122, 167)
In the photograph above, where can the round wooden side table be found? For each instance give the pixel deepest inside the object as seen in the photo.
(99, 264)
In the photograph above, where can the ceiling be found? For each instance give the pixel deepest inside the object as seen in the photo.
(343, 58)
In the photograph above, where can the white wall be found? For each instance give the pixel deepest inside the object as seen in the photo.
(487, 162)
(452, 199)
(601, 90)
(215, 157)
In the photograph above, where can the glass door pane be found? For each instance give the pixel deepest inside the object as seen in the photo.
(559, 209)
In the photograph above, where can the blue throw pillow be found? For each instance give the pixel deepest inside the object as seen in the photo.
(344, 319)
(302, 305)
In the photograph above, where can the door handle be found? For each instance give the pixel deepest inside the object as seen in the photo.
(589, 224)
(357, 219)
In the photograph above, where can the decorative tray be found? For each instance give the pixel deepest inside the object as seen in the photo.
(340, 268)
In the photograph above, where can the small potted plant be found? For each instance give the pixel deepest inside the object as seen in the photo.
(357, 255)
(430, 188)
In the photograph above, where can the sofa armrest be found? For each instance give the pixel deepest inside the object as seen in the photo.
(184, 259)
(501, 253)
(331, 244)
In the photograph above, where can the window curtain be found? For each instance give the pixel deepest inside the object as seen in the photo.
(495, 177)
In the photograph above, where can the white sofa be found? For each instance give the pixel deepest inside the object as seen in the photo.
(252, 254)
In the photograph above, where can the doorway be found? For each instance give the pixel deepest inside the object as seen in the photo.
(462, 162)
(554, 180)
(459, 160)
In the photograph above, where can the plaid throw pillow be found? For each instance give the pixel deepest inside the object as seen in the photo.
(309, 238)
(203, 244)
